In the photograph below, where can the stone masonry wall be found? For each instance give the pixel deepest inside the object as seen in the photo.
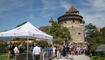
(76, 30)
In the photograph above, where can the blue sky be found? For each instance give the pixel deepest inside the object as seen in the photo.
(38, 12)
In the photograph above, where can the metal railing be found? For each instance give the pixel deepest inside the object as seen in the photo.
(18, 57)
(4, 57)
(23, 56)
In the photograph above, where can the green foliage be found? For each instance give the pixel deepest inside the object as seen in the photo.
(103, 33)
(98, 58)
(4, 56)
(58, 31)
(3, 47)
(90, 28)
(94, 38)
(58, 41)
(42, 43)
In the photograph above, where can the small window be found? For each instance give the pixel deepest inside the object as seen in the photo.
(79, 33)
(64, 21)
(72, 26)
(73, 21)
(61, 22)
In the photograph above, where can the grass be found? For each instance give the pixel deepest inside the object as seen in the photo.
(97, 58)
(4, 56)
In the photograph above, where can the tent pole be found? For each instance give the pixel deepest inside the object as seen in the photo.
(27, 47)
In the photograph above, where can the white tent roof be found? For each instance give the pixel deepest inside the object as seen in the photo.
(26, 30)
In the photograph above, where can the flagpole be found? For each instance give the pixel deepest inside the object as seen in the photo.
(27, 47)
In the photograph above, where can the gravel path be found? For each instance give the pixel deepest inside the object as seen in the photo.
(79, 57)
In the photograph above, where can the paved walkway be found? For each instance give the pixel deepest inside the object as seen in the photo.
(79, 57)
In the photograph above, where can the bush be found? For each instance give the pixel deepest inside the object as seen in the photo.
(3, 48)
(98, 58)
(42, 43)
(58, 42)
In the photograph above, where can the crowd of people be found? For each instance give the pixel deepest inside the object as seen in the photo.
(59, 51)
(53, 51)
(14, 49)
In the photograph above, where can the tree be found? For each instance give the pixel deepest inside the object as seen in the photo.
(93, 37)
(42, 43)
(58, 41)
(58, 31)
(90, 28)
(103, 32)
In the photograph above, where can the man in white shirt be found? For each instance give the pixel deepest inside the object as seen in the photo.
(37, 52)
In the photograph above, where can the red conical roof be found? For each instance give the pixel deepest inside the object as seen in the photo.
(51, 20)
(72, 10)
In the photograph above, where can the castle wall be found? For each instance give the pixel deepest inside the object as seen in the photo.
(76, 29)
(74, 22)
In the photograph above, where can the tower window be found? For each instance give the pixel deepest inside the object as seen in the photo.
(64, 21)
(79, 33)
(61, 22)
(72, 26)
(73, 21)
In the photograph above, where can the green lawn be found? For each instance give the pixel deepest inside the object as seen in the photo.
(97, 58)
(4, 56)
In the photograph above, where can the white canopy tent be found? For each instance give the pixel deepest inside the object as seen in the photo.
(26, 31)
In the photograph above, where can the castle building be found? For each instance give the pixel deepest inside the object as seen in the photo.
(51, 21)
(74, 22)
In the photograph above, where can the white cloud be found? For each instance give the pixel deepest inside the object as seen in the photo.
(65, 5)
(98, 5)
(97, 19)
(50, 5)
(94, 13)
(7, 5)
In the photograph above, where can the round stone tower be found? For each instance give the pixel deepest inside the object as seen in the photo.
(74, 22)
